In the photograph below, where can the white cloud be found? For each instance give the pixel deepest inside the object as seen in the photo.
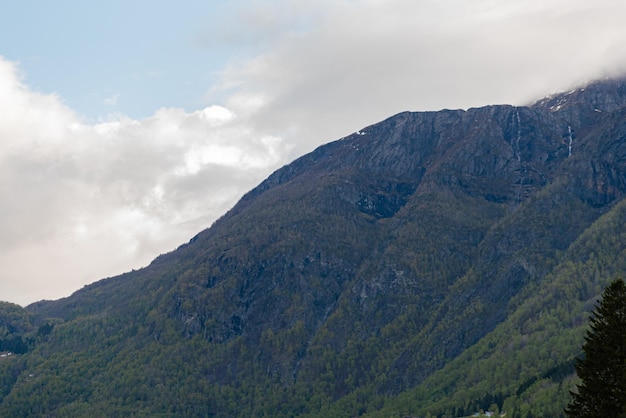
(365, 60)
(87, 201)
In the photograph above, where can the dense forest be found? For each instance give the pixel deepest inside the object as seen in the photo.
(433, 264)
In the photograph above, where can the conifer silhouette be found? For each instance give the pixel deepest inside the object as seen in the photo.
(602, 392)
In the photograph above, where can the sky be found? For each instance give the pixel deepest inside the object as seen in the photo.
(126, 127)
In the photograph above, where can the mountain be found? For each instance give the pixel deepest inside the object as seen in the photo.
(435, 262)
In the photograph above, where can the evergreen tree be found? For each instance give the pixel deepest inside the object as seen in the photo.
(602, 392)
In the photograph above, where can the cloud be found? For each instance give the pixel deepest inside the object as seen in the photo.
(84, 201)
(111, 100)
(366, 60)
(247, 25)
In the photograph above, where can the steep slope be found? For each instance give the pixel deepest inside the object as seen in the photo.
(359, 271)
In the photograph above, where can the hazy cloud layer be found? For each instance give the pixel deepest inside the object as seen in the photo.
(365, 60)
(83, 201)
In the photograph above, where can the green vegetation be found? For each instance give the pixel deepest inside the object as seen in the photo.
(529, 358)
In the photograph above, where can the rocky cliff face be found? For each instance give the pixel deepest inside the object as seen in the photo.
(376, 259)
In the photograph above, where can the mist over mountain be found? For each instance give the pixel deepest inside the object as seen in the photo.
(434, 262)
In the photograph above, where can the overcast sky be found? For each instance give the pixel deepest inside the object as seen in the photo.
(128, 126)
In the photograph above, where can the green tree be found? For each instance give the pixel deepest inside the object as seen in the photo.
(602, 392)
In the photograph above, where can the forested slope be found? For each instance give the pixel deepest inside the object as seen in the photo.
(527, 363)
